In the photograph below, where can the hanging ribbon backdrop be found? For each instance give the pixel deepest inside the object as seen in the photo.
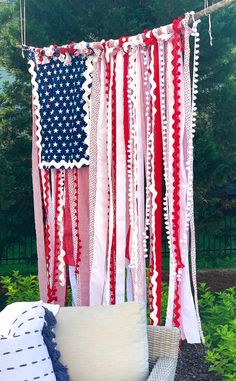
(112, 122)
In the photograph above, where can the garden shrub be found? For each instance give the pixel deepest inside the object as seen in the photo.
(218, 313)
(23, 288)
(20, 288)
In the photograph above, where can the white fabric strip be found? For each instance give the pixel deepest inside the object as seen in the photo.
(95, 101)
(189, 325)
(98, 270)
(73, 284)
(132, 173)
(147, 148)
(191, 136)
(140, 179)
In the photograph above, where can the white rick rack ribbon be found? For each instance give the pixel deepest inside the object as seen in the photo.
(153, 192)
(61, 266)
(88, 75)
(36, 105)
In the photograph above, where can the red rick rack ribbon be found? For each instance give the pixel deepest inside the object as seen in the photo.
(45, 189)
(176, 53)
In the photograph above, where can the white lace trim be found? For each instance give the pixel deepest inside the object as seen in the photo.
(132, 172)
(191, 136)
(61, 265)
(148, 152)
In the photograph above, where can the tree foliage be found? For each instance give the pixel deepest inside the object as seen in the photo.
(63, 21)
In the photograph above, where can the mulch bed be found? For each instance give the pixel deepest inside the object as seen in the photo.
(191, 365)
(216, 280)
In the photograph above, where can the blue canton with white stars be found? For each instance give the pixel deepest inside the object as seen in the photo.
(61, 113)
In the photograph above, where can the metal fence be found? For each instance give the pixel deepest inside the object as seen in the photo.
(17, 238)
(18, 244)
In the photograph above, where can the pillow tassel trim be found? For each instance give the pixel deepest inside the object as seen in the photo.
(61, 372)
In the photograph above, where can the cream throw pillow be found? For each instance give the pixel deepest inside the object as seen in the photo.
(104, 343)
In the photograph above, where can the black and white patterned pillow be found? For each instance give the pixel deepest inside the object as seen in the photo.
(23, 353)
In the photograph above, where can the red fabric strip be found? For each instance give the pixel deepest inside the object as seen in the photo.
(108, 79)
(126, 132)
(56, 238)
(126, 108)
(76, 204)
(113, 246)
(127, 253)
(152, 249)
(158, 182)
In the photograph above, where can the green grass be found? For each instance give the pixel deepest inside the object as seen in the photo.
(216, 263)
(208, 263)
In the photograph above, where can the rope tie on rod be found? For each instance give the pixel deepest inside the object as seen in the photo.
(23, 26)
(206, 5)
